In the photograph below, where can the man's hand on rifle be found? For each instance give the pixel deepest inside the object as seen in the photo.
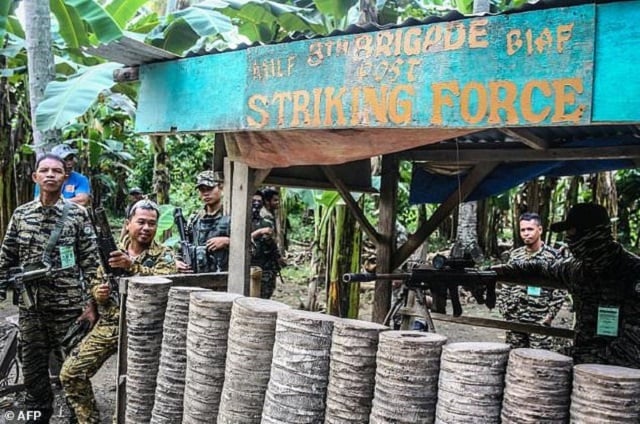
(119, 259)
(90, 313)
(216, 243)
(183, 267)
(102, 293)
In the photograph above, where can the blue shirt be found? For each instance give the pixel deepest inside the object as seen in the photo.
(74, 185)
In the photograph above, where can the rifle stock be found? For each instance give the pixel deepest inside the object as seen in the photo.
(187, 250)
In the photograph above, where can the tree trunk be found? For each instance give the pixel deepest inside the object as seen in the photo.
(604, 193)
(467, 233)
(40, 64)
(161, 178)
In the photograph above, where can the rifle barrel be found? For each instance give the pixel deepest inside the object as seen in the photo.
(372, 276)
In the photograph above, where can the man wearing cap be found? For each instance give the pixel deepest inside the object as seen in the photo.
(208, 229)
(135, 194)
(139, 254)
(76, 187)
(604, 280)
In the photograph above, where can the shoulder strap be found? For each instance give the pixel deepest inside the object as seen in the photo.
(55, 234)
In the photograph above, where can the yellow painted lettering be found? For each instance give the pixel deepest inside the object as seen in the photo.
(563, 35)
(377, 104)
(355, 106)
(526, 101)
(401, 109)
(291, 61)
(342, 47)
(412, 44)
(565, 94)
(413, 62)
(478, 34)
(317, 102)
(384, 40)
(315, 57)
(300, 107)
(432, 38)
(502, 96)
(280, 98)
(545, 39)
(333, 100)
(466, 100)
(256, 103)
(442, 99)
(364, 44)
(460, 31)
(514, 41)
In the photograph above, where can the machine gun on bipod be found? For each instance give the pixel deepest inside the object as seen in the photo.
(440, 279)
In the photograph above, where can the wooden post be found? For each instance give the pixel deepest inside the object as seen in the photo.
(386, 229)
(256, 281)
(239, 255)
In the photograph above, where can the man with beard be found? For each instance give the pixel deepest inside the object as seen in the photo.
(530, 304)
(140, 254)
(604, 280)
(48, 233)
(208, 229)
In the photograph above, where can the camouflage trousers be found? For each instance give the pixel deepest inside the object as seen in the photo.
(82, 364)
(268, 283)
(41, 331)
(533, 340)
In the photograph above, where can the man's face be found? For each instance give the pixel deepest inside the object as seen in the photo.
(69, 163)
(142, 226)
(210, 196)
(274, 203)
(530, 232)
(50, 175)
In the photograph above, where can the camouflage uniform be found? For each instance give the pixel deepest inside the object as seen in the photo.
(59, 298)
(201, 227)
(600, 275)
(265, 253)
(102, 341)
(530, 304)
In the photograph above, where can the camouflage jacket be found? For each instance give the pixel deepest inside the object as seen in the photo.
(201, 227)
(264, 249)
(613, 293)
(27, 236)
(156, 260)
(530, 303)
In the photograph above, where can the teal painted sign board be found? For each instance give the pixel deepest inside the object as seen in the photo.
(524, 69)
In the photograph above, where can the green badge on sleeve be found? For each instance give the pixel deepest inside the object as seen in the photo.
(533, 291)
(608, 319)
(67, 257)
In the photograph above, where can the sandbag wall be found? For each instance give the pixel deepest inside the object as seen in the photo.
(246, 360)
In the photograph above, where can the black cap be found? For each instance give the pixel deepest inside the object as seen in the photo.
(582, 217)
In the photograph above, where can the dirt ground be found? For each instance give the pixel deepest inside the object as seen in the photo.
(293, 294)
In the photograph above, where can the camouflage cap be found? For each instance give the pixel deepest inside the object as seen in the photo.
(63, 151)
(209, 179)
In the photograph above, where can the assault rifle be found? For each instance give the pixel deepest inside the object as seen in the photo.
(187, 249)
(106, 245)
(19, 281)
(441, 279)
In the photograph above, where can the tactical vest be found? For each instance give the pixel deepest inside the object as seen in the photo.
(205, 228)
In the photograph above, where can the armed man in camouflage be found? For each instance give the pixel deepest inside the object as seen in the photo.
(604, 280)
(530, 304)
(208, 229)
(140, 255)
(264, 252)
(53, 233)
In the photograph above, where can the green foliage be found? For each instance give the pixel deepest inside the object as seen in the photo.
(5, 8)
(66, 100)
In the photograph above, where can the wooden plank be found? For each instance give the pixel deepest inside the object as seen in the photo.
(529, 68)
(616, 89)
(475, 177)
(526, 137)
(239, 253)
(386, 228)
(521, 155)
(352, 204)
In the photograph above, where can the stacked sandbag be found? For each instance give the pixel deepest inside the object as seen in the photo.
(352, 371)
(537, 387)
(173, 357)
(252, 333)
(605, 394)
(206, 349)
(406, 383)
(471, 383)
(300, 369)
(146, 303)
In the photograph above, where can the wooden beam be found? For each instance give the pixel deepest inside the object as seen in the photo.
(525, 136)
(475, 177)
(260, 176)
(521, 155)
(239, 252)
(390, 174)
(352, 204)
